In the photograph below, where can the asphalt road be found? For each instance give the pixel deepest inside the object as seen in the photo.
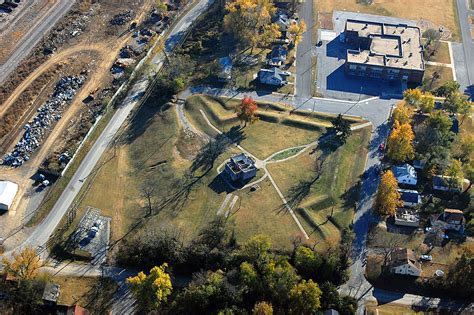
(44, 230)
(468, 45)
(303, 82)
(29, 41)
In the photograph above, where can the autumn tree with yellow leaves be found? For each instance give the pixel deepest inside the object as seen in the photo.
(403, 113)
(388, 198)
(24, 265)
(152, 290)
(400, 142)
(250, 21)
(296, 31)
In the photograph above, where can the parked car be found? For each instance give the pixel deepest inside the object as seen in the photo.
(426, 257)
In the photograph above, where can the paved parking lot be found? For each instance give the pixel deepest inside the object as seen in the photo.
(332, 81)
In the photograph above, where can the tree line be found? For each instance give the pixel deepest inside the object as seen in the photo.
(233, 278)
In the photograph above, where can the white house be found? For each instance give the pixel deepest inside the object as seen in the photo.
(405, 174)
(407, 217)
(409, 198)
(273, 76)
(8, 192)
(402, 261)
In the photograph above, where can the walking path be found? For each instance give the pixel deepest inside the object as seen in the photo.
(261, 165)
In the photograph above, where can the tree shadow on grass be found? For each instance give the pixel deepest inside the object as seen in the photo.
(208, 155)
(143, 119)
(302, 189)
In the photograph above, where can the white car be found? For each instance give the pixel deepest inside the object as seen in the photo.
(426, 257)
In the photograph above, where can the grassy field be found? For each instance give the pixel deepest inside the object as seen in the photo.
(431, 84)
(440, 12)
(372, 308)
(442, 54)
(155, 152)
(327, 206)
(275, 131)
(87, 292)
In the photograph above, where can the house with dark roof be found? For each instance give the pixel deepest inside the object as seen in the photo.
(402, 261)
(282, 19)
(409, 198)
(446, 183)
(277, 56)
(405, 174)
(449, 220)
(273, 76)
(240, 168)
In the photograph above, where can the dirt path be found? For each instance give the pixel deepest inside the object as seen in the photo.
(101, 49)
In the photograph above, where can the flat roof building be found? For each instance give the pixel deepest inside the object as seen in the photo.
(8, 192)
(384, 51)
(240, 168)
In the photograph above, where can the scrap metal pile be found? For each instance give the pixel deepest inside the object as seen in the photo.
(47, 115)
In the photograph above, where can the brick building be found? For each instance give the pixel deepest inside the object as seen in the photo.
(384, 51)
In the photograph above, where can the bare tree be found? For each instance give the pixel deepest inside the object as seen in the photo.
(148, 193)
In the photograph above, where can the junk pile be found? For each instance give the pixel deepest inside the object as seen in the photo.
(47, 115)
(122, 18)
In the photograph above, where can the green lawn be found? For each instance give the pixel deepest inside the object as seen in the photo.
(327, 205)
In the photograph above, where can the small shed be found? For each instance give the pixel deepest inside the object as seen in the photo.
(51, 293)
(8, 191)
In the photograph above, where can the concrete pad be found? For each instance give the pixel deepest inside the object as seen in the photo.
(328, 35)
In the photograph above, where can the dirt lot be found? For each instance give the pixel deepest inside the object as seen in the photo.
(439, 12)
(94, 49)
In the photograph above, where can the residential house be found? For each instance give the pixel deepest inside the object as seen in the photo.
(77, 310)
(402, 261)
(225, 74)
(409, 198)
(277, 56)
(407, 217)
(405, 174)
(449, 220)
(446, 183)
(419, 164)
(240, 168)
(282, 19)
(273, 76)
